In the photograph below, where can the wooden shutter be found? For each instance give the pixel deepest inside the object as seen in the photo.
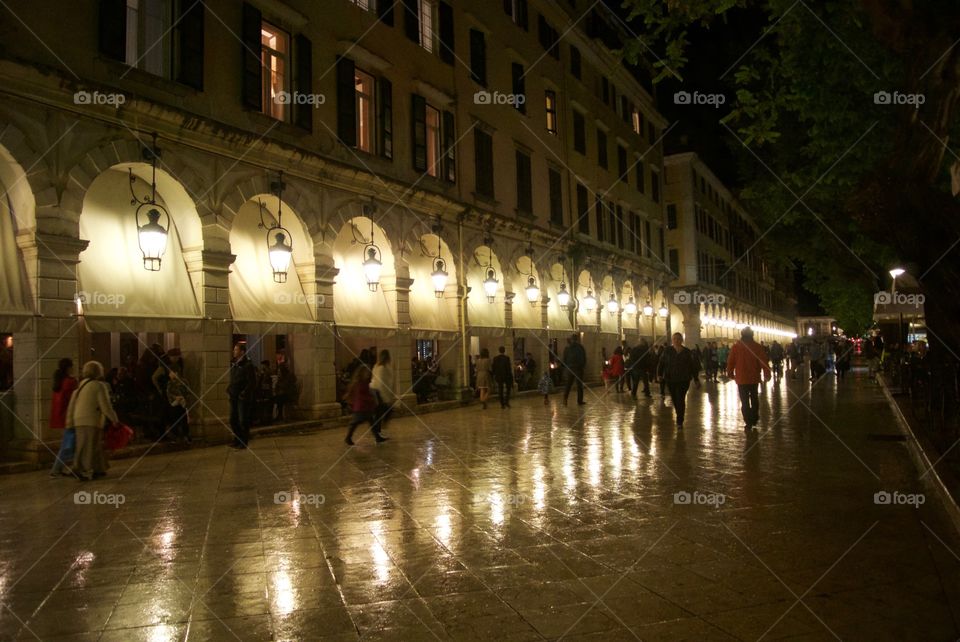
(189, 33)
(478, 56)
(303, 61)
(411, 20)
(445, 19)
(385, 11)
(346, 102)
(385, 116)
(113, 29)
(252, 65)
(556, 197)
(522, 19)
(519, 84)
(418, 122)
(449, 147)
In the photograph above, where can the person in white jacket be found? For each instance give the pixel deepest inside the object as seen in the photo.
(382, 386)
(89, 408)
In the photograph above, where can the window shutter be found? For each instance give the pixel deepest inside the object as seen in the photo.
(252, 65)
(519, 86)
(346, 102)
(478, 56)
(522, 14)
(508, 8)
(445, 18)
(113, 29)
(449, 147)
(542, 34)
(303, 111)
(556, 198)
(419, 132)
(385, 12)
(411, 19)
(385, 96)
(190, 45)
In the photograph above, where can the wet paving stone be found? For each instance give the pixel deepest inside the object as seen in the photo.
(530, 523)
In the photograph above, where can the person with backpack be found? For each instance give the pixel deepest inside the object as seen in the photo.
(678, 367)
(747, 365)
(503, 374)
(362, 404)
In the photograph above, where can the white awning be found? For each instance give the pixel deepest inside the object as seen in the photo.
(14, 290)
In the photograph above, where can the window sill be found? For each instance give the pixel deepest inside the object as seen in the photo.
(485, 199)
(120, 72)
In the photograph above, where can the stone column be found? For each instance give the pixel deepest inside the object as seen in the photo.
(313, 352)
(401, 345)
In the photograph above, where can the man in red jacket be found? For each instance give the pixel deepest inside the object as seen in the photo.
(745, 365)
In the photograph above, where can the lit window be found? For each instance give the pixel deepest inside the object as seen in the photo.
(551, 107)
(433, 141)
(363, 4)
(148, 44)
(635, 118)
(274, 51)
(366, 122)
(427, 33)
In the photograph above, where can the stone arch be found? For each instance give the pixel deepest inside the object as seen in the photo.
(27, 178)
(356, 304)
(297, 198)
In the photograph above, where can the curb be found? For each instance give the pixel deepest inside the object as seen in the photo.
(919, 446)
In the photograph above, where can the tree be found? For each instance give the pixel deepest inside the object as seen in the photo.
(842, 118)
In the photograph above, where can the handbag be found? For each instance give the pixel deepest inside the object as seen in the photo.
(117, 436)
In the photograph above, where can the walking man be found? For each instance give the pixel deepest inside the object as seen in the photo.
(678, 367)
(575, 361)
(503, 374)
(745, 365)
(639, 369)
(242, 391)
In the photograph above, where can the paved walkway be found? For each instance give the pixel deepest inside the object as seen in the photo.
(518, 524)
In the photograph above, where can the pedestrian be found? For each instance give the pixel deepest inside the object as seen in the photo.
(503, 374)
(545, 386)
(362, 403)
(64, 385)
(723, 352)
(382, 385)
(616, 368)
(575, 361)
(843, 359)
(712, 362)
(89, 409)
(745, 365)
(678, 367)
(285, 389)
(483, 377)
(242, 391)
(638, 369)
(177, 398)
(264, 398)
(776, 360)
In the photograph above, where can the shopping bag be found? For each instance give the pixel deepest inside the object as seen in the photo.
(117, 436)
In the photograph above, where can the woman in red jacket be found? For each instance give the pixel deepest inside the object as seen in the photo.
(617, 369)
(64, 384)
(363, 404)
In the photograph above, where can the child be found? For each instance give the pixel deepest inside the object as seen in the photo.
(545, 386)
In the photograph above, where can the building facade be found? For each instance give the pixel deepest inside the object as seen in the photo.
(445, 177)
(723, 279)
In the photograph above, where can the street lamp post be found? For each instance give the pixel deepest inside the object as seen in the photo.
(894, 273)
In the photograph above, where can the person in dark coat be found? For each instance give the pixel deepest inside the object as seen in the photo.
(575, 361)
(242, 391)
(502, 369)
(678, 367)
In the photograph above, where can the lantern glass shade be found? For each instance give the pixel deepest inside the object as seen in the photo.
(613, 306)
(630, 307)
(280, 253)
(648, 310)
(439, 277)
(563, 297)
(533, 292)
(490, 285)
(372, 268)
(589, 302)
(663, 311)
(153, 240)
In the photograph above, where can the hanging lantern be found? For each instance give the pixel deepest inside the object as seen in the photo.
(533, 292)
(630, 307)
(152, 235)
(491, 284)
(439, 277)
(589, 302)
(280, 253)
(612, 305)
(563, 297)
(372, 266)
(648, 309)
(663, 311)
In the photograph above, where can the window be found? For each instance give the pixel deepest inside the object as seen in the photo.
(433, 141)
(675, 261)
(556, 196)
(655, 186)
(519, 87)
(364, 85)
(646, 238)
(660, 244)
(622, 162)
(524, 184)
(274, 52)
(598, 214)
(427, 33)
(478, 57)
(433, 135)
(576, 64)
(651, 133)
(517, 10)
(671, 217)
(549, 38)
(640, 171)
(637, 121)
(612, 231)
(363, 4)
(583, 210)
(602, 148)
(146, 47)
(550, 104)
(621, 240)
(483, 158)
(624, 111)
(579, 133)
(634, 233)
